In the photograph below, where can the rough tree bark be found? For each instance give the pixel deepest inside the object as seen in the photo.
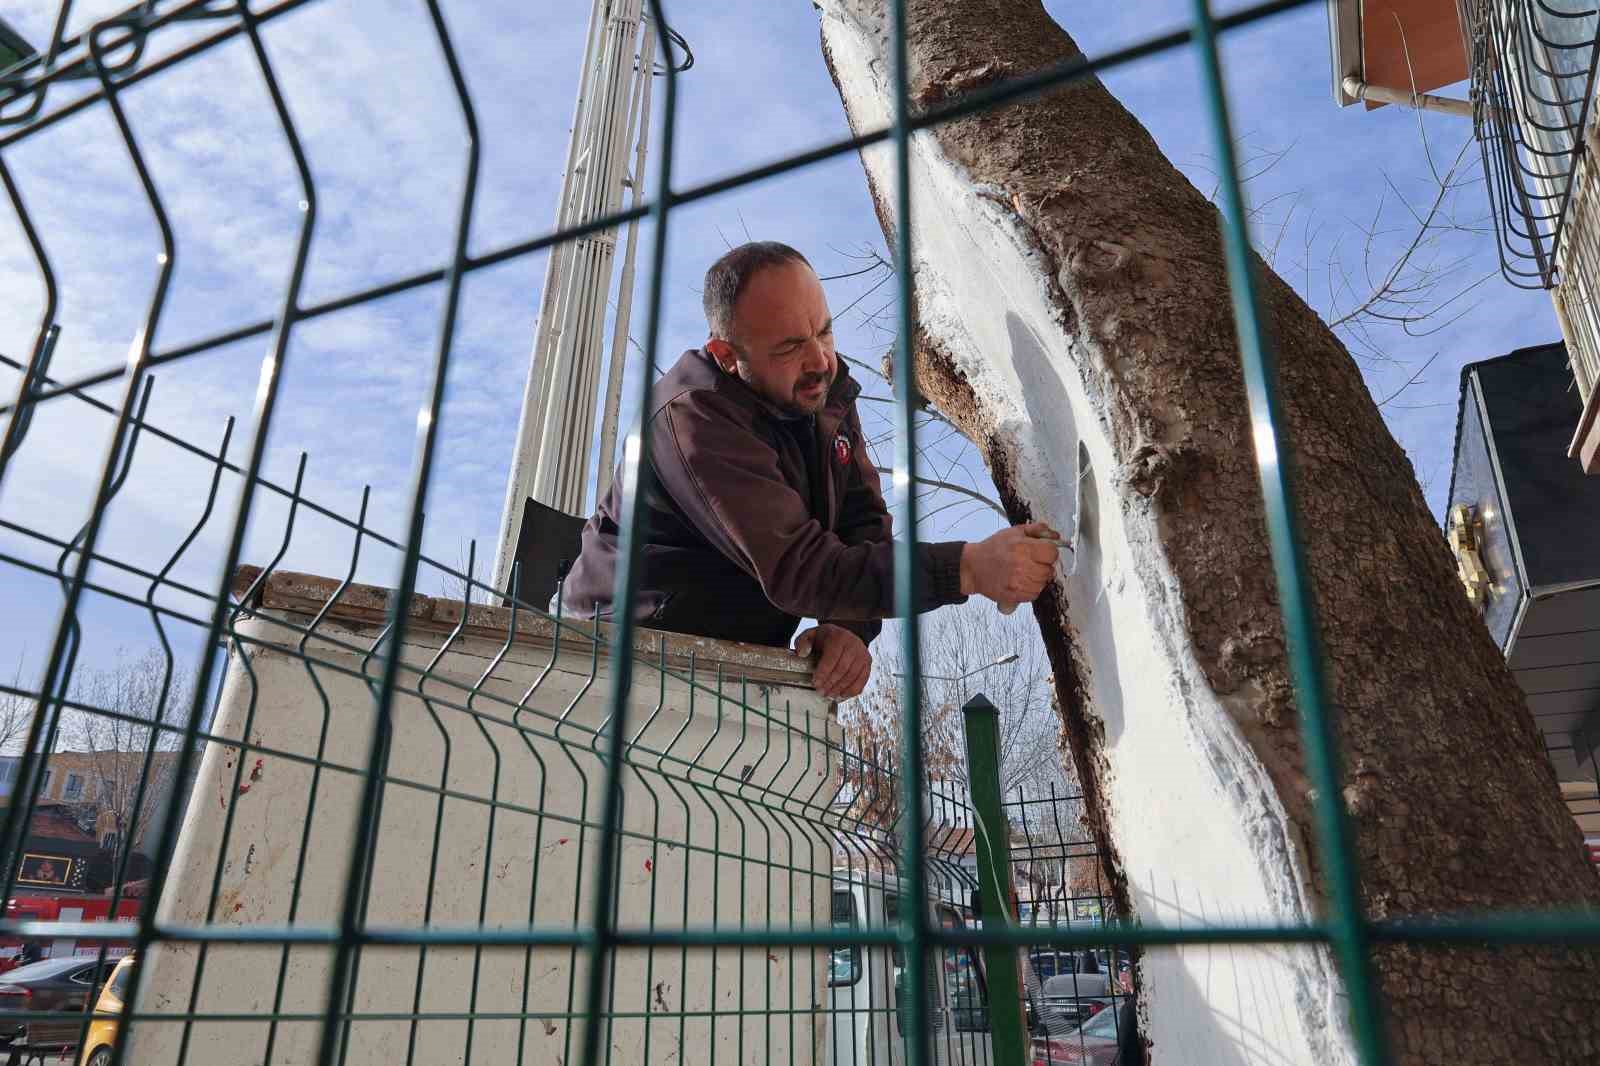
(1074, 321)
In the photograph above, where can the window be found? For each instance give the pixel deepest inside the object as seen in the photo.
(1047, 963)
(8, 771)
(891, 915)
(844, 961)
(968, 992)
(44, 788)
(119, 981)
(1086, 910)
(94, 974)
(74, 790)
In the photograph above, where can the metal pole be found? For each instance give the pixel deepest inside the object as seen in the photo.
(1442, 105)
(561, 467)
(556, 430)
(1007, 1028)
(519, 480)
(611, 408)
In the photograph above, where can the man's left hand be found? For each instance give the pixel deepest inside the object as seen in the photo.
(843, 662)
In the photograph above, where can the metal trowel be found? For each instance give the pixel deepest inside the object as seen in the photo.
(1083, 515)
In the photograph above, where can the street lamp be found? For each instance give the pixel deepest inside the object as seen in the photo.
(1002, 661)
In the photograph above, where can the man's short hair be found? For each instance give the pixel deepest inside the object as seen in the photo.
(728, 276)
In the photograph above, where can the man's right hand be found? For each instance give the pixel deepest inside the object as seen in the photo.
(1012, 566)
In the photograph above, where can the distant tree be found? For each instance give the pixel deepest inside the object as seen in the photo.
(132, 736)
(960, 646)
(16, 712)
(961, 650)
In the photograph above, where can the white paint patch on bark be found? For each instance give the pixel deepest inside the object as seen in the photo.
(1198, 827)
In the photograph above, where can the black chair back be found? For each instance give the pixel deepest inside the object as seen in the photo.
(547, 546)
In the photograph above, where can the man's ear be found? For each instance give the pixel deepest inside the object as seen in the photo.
(723, 353)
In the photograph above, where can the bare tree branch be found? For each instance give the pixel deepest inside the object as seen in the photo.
(951, 486)
(1412, 380)
(123, 742)
(960, 646)
(16, 714)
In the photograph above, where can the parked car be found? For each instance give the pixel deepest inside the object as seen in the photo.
(1107, 1039)
(1064, 990)
(1069, 1000)
(100, 1042)
(66, 984)
(1048, 962)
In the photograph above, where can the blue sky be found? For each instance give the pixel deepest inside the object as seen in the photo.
(371, 101)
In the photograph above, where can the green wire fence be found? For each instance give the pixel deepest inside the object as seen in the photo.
(662, 849)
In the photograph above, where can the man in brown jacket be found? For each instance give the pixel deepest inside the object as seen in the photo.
(765, 507)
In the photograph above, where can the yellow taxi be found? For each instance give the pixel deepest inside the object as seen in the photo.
(101, 1039)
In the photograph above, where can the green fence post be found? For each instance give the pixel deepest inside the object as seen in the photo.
(1007, 1031)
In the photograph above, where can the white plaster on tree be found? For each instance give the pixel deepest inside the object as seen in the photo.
(1201, 834)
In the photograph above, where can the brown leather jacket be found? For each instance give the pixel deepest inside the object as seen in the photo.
(739, 541)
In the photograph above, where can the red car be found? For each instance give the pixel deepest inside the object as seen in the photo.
(1098, 1042)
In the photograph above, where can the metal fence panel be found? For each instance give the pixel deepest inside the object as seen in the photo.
(619, 838)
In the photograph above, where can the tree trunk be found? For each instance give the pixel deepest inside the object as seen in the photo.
(1074, 321)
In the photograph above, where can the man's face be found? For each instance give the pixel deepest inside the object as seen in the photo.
(784, 337)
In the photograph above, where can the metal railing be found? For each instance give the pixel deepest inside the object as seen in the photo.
(1532, 66)
(608, 742)
(1577, 294)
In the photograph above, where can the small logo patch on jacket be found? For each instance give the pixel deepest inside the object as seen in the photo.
(841, 447)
